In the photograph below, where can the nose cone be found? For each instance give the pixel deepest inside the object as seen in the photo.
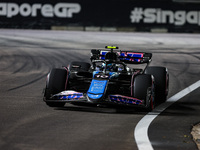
(97, 89)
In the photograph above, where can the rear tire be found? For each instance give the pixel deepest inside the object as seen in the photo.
(79, 66)
(144, 90)
(161, 82)
(56, 81)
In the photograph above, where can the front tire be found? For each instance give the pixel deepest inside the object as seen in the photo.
(144, 90)
(79, 66)
(161, 76)
(56, 82)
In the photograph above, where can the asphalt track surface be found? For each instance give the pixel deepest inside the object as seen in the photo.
(27, 123)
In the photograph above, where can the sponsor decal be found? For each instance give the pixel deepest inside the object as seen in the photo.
(69, 95)
(125, 99)
(60, 10)
(157, 15)
(97, 88)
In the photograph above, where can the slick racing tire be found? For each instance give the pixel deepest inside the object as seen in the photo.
(79, 66)
(161, 82)
(144, 90)
(55, 84)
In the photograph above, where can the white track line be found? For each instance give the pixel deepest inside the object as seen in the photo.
(141, 129)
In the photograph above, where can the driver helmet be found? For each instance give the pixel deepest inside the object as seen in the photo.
(111, 67)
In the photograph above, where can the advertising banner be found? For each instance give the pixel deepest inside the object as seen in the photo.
(140, 14)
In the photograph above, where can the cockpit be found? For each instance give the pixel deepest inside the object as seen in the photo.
(111, 67)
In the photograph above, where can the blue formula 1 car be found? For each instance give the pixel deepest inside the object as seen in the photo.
(109, 79)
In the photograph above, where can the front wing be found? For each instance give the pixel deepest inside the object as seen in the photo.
(73, 96)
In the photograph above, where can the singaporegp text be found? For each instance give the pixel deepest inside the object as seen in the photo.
(157, 15)
(61, 10)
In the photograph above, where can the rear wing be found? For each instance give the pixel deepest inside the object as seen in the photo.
(129, 57)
